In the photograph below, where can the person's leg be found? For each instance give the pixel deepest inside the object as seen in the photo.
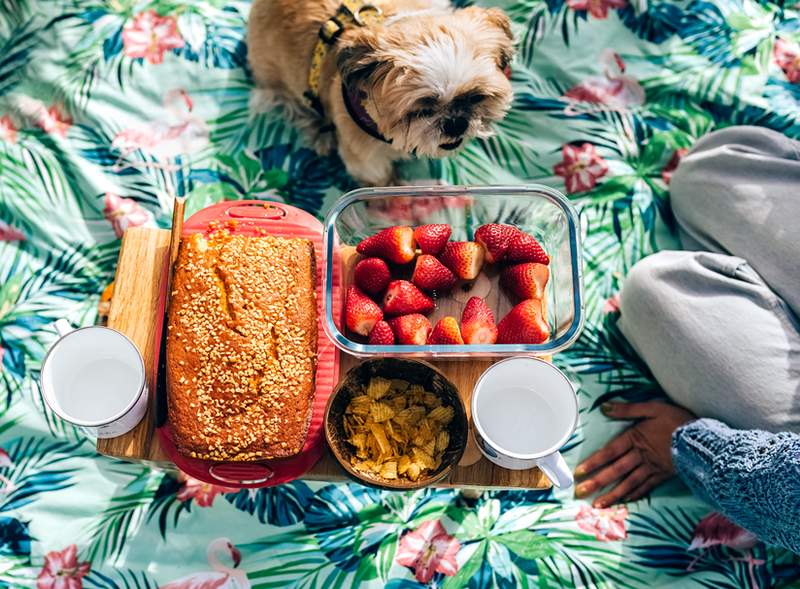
(738, 192)
(716, 338)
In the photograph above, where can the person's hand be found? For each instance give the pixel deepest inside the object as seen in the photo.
(637, 460)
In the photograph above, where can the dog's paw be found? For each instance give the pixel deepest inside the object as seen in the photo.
(262, 100)
(324, 143)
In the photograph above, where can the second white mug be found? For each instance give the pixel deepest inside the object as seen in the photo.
(523, 411)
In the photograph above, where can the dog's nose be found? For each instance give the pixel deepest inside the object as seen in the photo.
(455, 127)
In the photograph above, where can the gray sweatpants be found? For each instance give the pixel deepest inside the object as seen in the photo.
(718, 325)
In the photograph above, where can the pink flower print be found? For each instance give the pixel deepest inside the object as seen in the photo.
(9, 233)
(672, 164)
(606, 524)
(597, 8)
(202, 493)
(787, 56)
(715, 529)
(123, 213)
(8, 132)
(612, 304)
(61, 570)
(150, 35)
(53, 121)
(428, 550)
(581, 167)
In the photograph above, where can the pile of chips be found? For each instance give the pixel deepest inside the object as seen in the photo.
(398, 430)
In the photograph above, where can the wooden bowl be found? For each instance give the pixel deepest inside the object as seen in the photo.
(415, 372)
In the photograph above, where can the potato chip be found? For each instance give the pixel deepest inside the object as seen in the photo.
(430, 447)
(380, 437)
(399, 385)
(442, 441)
(416, 389)
(442, 414)
(397, 403)
(422, 458)
(380, 412)
(396, 430)
(431, 400)
(378, 387)
(359, 405)
(389, 470)
(403, 463)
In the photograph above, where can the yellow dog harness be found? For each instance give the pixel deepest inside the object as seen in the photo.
(349, 13)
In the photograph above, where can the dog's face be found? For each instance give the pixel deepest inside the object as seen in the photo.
(432, 82)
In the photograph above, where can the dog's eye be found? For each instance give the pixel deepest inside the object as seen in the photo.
(503, 62)
(423, 113)
(477, 98)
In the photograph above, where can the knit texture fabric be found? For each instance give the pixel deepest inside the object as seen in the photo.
(751, 476)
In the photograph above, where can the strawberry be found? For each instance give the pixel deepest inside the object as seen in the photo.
(527, 281)
(431, 274)
(524, 248)
(464, 258)
(411, 329)
(402, 298)
(372, 275)
(432, 238)
(445, 332)
(360, 311)
(381, 335)
(494, 238)
(524, 324)
(395, 244)
(477, 322)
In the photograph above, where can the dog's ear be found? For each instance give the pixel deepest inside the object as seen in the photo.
(497, 19)
(358, 56)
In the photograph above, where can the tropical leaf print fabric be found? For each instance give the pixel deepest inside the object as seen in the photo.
(110, 109)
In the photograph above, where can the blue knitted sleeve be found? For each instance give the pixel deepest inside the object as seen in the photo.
(752, 476)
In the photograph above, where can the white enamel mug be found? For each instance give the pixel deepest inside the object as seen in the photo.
(94, 378)
(523, 411)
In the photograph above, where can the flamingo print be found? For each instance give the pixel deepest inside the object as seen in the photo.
(716, 530)
(183, 133)
(221, 576)
(612, 91)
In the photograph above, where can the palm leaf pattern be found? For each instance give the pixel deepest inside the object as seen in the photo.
(98, 106)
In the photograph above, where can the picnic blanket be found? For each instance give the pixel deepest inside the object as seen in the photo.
(107, 108)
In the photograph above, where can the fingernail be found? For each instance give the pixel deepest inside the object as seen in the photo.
(583, 490)
(598, 504)
(607, 407)
(580, 470)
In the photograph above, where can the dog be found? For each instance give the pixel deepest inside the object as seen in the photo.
(381, 81)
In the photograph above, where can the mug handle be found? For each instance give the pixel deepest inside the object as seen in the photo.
(63, 327)
(556, 469)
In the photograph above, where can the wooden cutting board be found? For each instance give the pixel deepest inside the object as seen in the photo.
(133, 312)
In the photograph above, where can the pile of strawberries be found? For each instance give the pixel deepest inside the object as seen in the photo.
(439, 267)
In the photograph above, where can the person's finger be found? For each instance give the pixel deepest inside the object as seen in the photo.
(632, 410)
(613, 472)
(630, 483)
(614, 449)
(648, 485)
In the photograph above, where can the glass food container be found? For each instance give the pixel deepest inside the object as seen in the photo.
(541, 211)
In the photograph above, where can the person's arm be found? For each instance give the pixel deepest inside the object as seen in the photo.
(751, 476)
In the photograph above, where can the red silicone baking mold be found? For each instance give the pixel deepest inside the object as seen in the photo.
(254, 218)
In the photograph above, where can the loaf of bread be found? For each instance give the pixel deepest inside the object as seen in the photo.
(242, 346)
